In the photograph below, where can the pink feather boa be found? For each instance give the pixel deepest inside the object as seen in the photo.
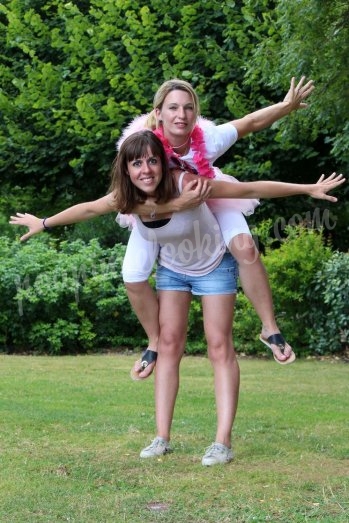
(197, 144)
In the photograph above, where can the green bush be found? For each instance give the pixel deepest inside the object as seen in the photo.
(68, 296)
(330, 316)
(101, 227)
(291, 268)
(196, 342)
(59, 296)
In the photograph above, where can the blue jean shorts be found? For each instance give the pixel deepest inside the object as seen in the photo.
(222, 280)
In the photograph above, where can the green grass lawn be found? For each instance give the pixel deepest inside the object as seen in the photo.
(72, 428)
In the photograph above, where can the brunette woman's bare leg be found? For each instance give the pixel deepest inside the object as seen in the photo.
(218, 320)
(174, 310)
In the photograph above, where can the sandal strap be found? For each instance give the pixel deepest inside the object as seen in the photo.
(148, 356)
(277, 339)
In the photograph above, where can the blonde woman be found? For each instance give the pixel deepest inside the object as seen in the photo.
(194, 143)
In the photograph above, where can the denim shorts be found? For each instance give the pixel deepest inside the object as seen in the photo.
(222, 280)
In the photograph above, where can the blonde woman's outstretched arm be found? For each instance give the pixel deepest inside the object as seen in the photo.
(268, 189)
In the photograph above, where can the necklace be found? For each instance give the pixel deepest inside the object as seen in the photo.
(183, 144)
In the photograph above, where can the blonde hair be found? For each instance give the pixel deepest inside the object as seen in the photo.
(163, 91)
(126, 194)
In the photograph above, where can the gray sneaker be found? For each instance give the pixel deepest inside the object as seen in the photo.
(217, 453)
(158, 447)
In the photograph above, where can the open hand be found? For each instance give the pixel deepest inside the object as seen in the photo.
(324, 185)
(27, 220)
(298, 93)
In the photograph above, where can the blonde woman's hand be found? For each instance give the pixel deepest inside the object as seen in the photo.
(298, 93)
(324, 185)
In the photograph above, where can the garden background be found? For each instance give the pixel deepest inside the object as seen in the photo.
(74, 74)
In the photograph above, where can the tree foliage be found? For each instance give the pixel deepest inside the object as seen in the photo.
(311, 37)
(73, 74)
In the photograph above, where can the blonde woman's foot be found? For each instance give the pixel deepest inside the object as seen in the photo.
(144, 367)
(282, 351)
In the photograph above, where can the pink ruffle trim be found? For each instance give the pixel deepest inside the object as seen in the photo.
(126, 221)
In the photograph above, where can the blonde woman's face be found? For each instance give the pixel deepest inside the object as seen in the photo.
(177, 115)
(146, 172)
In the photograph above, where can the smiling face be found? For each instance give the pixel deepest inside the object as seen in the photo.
(177, 116)
(139, 170)
(146, 172)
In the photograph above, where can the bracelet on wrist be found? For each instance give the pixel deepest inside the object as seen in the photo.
(46, 227)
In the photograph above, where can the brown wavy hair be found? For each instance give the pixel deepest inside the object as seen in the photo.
(126, 194)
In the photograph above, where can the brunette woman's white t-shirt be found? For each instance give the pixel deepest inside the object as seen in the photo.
(191, 241)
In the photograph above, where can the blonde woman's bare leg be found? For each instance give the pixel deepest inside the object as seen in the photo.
(255, 283)
(253, 277)
(137, 266)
